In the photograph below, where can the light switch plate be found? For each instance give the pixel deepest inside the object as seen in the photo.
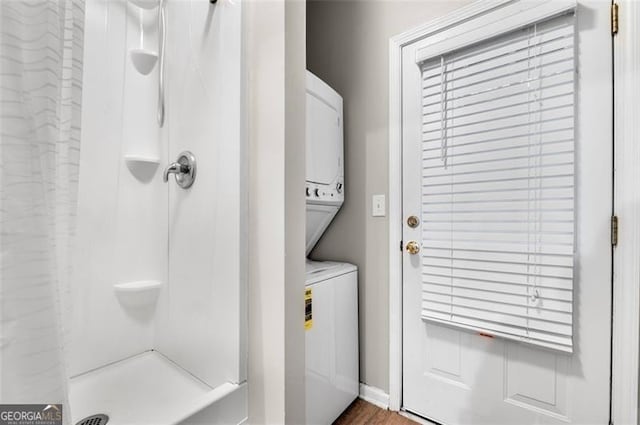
(378, 207)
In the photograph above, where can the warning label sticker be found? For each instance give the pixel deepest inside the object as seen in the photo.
(308, 309)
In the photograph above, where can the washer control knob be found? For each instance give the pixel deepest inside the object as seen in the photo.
(339, 187)
(308, 192)
(316, 192)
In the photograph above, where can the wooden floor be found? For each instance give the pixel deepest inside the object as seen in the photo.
(362, 413)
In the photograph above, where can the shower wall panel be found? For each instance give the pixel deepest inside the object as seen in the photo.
(122, 216)
(200, 317)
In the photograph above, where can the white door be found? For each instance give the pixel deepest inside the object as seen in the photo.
(458, 373)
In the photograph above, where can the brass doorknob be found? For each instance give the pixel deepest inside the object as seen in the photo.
(413, 247)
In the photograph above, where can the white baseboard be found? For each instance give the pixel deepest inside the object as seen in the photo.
(374, 396)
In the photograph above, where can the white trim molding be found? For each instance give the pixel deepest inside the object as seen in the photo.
(395, 222)
(374, 396)
(626, 280)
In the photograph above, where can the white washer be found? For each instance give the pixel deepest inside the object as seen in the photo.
(331, 374)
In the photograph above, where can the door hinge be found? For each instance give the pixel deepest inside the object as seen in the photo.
(614, 18)
(614, 230)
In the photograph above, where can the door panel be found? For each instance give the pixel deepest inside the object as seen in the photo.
(535, 379)
(457, 376)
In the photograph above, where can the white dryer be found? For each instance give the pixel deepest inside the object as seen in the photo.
(324, 158)
(331, 374)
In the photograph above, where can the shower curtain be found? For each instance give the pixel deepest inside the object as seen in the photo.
(40, 97)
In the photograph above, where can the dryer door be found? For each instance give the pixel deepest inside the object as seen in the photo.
(318, 219)
(324, 141)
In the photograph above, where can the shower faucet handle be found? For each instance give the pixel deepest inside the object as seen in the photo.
(184, 170)
(174, 168)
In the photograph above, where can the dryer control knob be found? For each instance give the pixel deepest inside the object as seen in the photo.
(308, 192)
(339, 187)
(316, 192)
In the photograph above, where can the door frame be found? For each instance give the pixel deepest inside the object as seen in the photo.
(626, 279)
(626, 258)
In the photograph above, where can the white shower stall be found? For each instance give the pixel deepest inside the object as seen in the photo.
(157, 334)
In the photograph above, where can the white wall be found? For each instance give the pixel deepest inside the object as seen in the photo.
(264, 55)
(274, 53)
(295, 209)
(348, 47)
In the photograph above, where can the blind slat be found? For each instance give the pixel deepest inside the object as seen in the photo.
(504, 317)
(508, 267)
(542, 339)
(485, 290)
(523, 298)
(518, 308)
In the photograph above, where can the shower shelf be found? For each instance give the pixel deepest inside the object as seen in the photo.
(141, 159)
(145, 4)
(138, 293)
(143, 60)
(143, 167)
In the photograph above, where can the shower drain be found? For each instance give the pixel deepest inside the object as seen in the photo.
(98, 419)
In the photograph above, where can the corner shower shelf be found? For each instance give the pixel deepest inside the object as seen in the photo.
(142, 167)
(143, 60)
(138, 293)
(145, 4)
(133, 160)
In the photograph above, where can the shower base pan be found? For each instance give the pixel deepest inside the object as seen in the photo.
(149, 389)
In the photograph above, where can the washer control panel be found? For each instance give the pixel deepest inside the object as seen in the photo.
(324, 192)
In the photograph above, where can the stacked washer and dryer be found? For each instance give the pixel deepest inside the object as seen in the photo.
(331, 299)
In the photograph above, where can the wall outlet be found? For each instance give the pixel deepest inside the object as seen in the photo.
(378, 207)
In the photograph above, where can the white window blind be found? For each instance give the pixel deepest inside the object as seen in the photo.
(498, 185)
